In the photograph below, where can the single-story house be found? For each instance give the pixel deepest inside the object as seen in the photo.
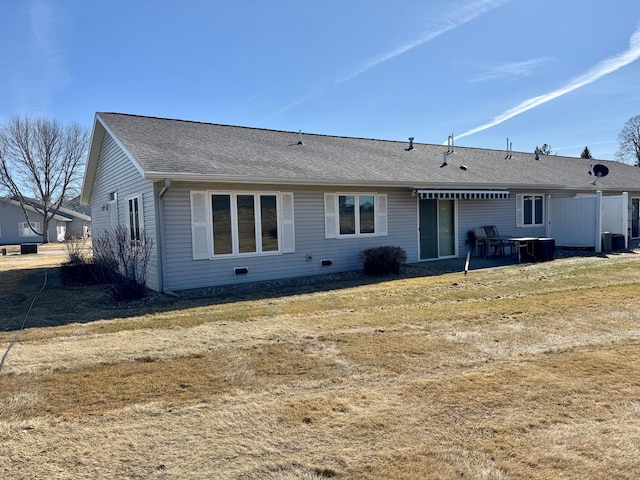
(14, 228)
(227, 204)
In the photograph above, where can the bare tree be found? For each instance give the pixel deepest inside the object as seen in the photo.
(40, 164)
(629, 142)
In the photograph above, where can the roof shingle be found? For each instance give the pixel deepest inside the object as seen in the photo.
(185, 149)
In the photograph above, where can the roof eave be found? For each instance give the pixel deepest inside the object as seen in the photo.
(100, 128)
(190, 177)
(97, 135)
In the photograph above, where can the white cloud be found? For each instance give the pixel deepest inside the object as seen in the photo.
(603, 68)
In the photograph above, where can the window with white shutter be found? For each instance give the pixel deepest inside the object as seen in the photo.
(529, 210)
(24, 230)
(355, 215)
(225, 224)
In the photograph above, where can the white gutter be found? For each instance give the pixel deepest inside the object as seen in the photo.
(189, 177)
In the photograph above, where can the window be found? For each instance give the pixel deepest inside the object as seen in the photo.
(25, 231)
(530, 210)
(135, 222)
(235, 224)
(355, 214)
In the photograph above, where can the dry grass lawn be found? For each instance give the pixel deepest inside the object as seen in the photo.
(522, 372)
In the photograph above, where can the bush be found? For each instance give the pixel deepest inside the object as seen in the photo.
(78, 273)
(122, 263)
(76, 246)
(123, 289)
(383, 260)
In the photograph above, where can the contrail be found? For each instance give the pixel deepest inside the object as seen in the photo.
(456, 16)
(603, 68)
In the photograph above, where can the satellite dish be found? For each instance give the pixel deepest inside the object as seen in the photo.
(600, 170)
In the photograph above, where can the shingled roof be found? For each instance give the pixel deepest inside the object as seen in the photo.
(186, 150)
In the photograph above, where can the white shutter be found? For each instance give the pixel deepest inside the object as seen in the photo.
(200, 240)
(330, 216)
(382, 215)
(288, 227)
(519, 211)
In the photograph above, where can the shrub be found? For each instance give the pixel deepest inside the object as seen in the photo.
(122, 288)
(77, 273)
(383, 260)
(122, 263)
(75, 245)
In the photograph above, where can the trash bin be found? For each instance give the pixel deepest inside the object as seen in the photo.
(606, 242)
(28, 248)
(617, 241)
(544, 249)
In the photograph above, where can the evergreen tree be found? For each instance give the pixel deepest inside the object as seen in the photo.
(586, 153)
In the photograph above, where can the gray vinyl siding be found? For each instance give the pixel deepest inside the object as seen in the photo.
(501, 213)
(182, 272)
(11, 215)
(76, 226)
(116, 172)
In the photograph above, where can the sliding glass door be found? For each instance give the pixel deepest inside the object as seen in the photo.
(437, 226)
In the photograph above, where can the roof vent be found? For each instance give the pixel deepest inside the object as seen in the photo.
(300, 142)
(444, 159)
(509, 150)
(408, 149)
(450, 144)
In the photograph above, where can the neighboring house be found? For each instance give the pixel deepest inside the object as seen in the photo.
(75, 206)
(78, 223)
(227, 204)
(14, 228)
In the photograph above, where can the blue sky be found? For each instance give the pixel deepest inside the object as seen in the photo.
(561, 72)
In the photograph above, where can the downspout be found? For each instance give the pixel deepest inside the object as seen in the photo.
(162, 281)
(167, 185)
(547, 215)
(625, 218)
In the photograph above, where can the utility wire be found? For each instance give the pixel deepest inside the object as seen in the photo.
(24, 321)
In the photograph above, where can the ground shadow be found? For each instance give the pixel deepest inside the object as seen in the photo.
(58, 305)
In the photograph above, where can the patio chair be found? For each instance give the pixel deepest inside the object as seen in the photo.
(480, 241)
(497, 241)
(476, 243)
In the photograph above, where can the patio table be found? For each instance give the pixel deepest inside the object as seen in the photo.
(498, 244)
(525, 245)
